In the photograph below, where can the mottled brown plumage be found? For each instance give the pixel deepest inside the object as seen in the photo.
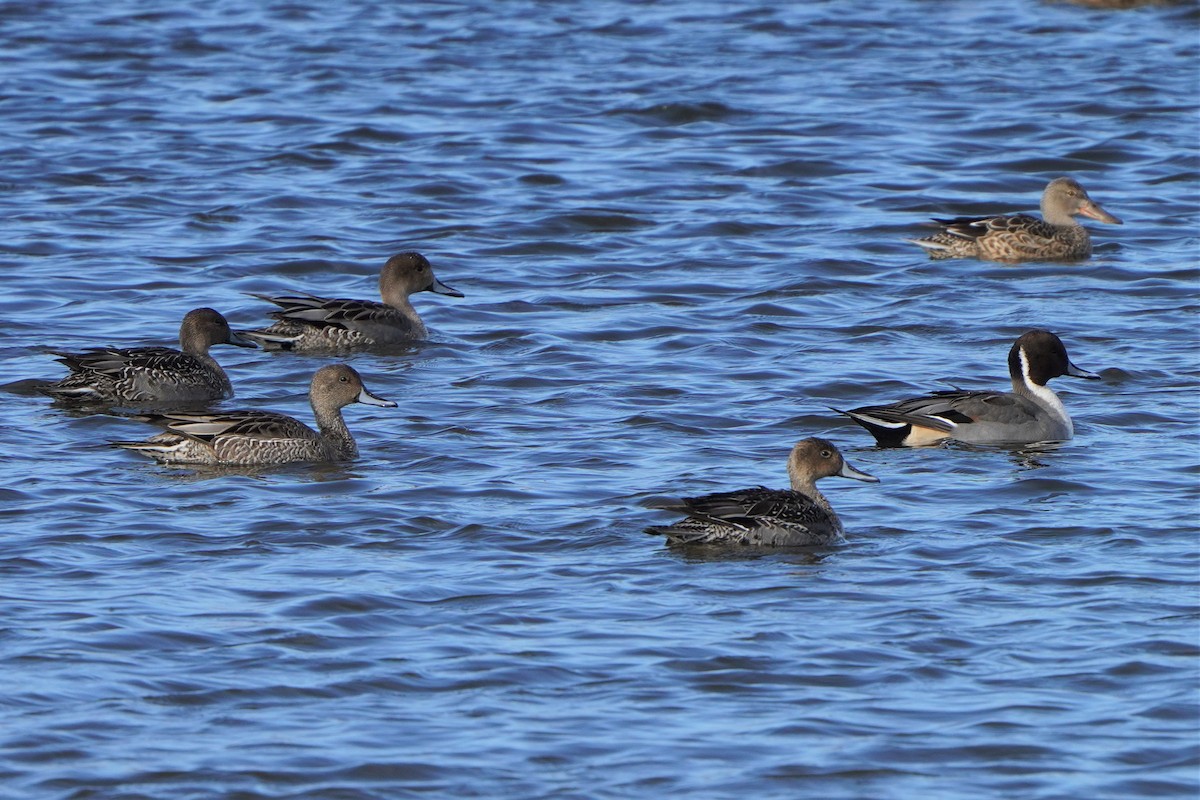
(153, 375)
(308, 322)
(762, 517)
(252, 437)
(1021, 237)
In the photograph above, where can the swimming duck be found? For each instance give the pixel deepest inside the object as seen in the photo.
(1021, 237)
(155, 375)
(1030, 413)
(264, 437)
(307, 322)
(796, 517)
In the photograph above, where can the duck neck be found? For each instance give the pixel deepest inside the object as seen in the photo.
(808, 487)
(1041, 394)
(215, 369)
(398, 299)
(334, 433)
(1055, 215)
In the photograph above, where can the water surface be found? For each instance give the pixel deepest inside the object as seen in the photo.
(680, 230)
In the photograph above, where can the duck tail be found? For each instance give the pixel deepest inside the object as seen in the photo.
(888, 433)
(270, 341)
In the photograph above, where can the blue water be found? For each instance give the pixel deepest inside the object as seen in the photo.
(680, 230)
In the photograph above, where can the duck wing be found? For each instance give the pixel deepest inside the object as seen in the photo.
(113, 362)
(757, 516)
(335, 312)
(958, 407)
(1012, 225)
(250, 424)
(933, 417)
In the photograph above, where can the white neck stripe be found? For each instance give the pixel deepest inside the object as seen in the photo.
(1044, 396)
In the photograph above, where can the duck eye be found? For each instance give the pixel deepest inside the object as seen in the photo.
(826, 454)
(343, 379)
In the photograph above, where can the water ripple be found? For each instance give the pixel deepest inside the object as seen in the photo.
(680, 231)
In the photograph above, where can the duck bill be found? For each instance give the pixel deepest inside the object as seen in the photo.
(238, 340)
(1092, 210)
(848, 471)
(372, 400)
(440, 288)
(1076, 372)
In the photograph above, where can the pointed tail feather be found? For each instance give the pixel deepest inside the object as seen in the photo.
(60, 392)
(928, 244)
(888, 433)
(270, 341)
(680, 535)
(159, 450)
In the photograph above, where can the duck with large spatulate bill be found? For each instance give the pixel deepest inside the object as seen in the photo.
(1021, 237)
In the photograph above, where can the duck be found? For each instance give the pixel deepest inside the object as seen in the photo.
(254, 438)
(306, 322)
(153, 375)
(762, 517)
(1030, 413)
(1022, 237)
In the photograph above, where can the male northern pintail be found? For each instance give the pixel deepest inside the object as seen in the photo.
(764, 517)
(1021, 237)
(307, 322)
(153, 374)
(1031, 412)
(264, 437)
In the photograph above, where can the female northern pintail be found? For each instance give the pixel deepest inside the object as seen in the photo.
(264, 437)
(153, 374)
(1055, 237)
(798, 517)
(307, 322)
(1031, 412)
